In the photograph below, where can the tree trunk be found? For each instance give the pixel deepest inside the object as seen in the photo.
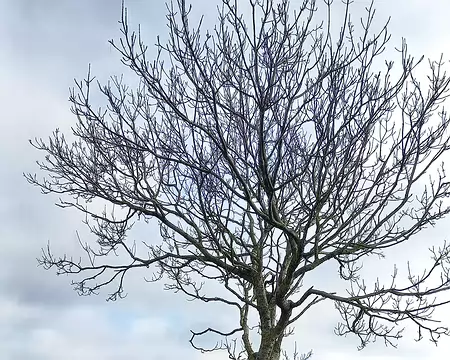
(269, 351)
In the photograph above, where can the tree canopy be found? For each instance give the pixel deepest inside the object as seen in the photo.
(264, 147)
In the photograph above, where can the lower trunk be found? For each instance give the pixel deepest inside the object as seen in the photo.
(269, 350)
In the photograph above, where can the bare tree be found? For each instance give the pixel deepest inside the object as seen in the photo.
(264, 148)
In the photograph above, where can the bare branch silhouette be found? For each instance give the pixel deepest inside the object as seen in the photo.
(264, 148)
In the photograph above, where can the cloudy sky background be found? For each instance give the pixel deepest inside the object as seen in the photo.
(44, 45)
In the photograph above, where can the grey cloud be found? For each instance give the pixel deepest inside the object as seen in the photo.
(44, 45)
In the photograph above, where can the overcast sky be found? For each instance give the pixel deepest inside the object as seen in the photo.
(44, 45)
